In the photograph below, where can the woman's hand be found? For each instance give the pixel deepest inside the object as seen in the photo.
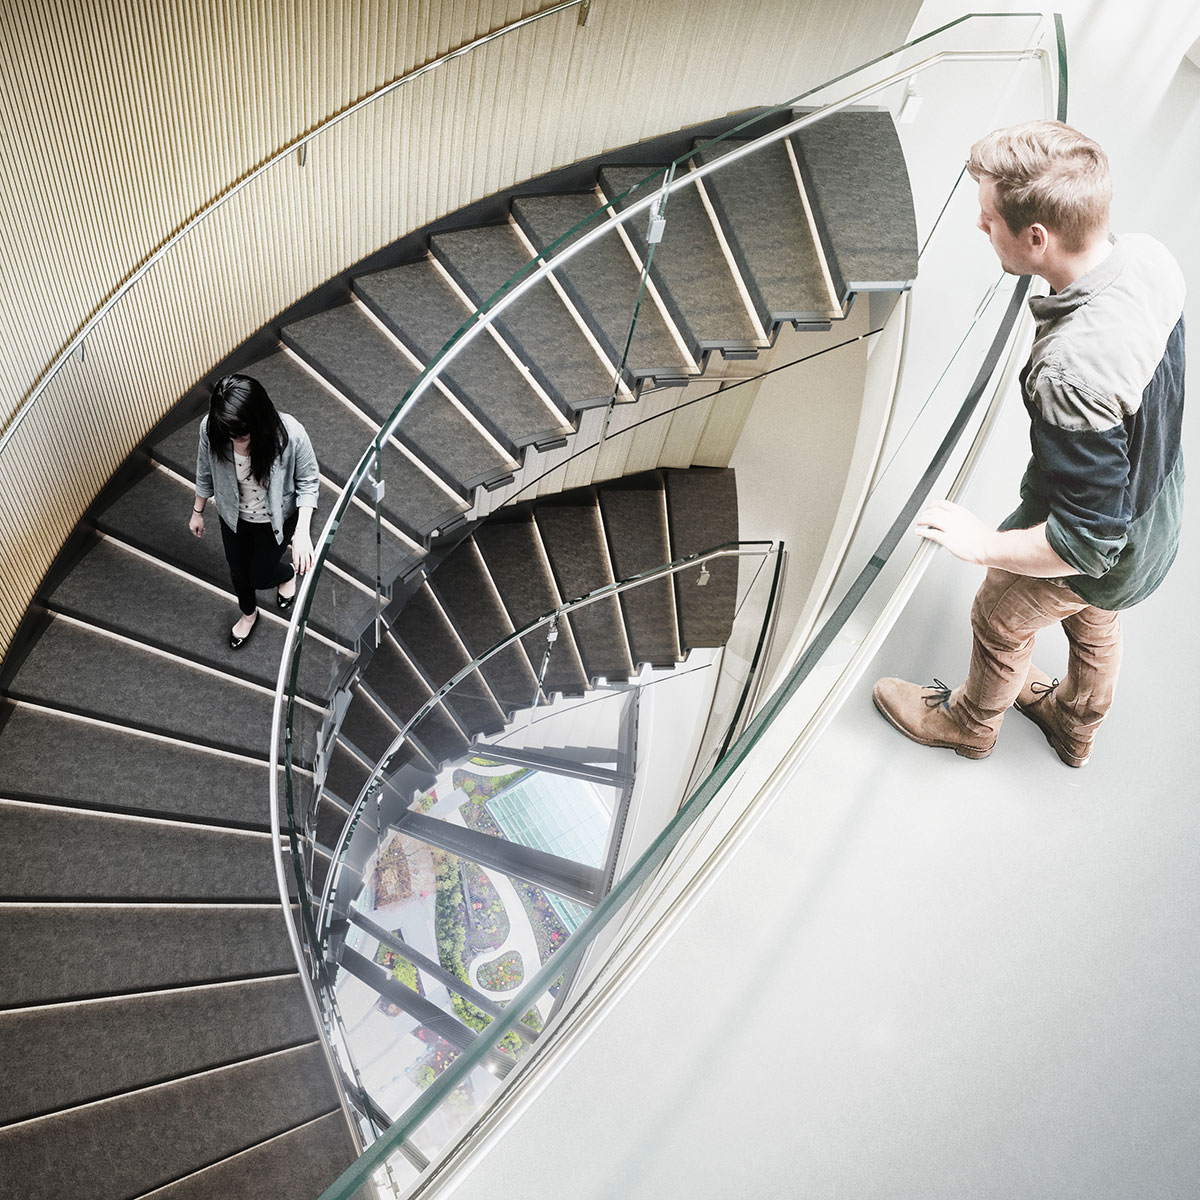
(196, 524)
(302, 551)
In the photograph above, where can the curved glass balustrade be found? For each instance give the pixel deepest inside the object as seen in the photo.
(927, 355)
(464, 867)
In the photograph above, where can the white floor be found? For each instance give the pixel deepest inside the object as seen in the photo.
(926, 977)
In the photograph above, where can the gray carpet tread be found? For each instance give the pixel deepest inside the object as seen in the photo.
(48, 757)
(143, 600)
(432, 644)
(604, 284)
(573, 535)
(422, 309)
(331, 820)
(467, 593)
(149, 1138)
(346, 774)
(58, 1057)
(399, 686)
(758, 203)
(702, 513)
(366, 367)
(635, 526)
(340, 437)
(688, 266)
(104, 950)
(366, 726)
(293, 1166)
(354, 548)
(858, 185)
(59, 853)
(515, 559)
(80, 670)
(144, 517)
(538, 326)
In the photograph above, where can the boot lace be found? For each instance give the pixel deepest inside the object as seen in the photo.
(1042, 690)
(938, 694)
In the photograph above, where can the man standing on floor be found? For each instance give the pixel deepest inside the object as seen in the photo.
(1102, 497)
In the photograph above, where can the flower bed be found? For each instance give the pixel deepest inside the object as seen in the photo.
(506, 973)
(548, 931)
(487, 920)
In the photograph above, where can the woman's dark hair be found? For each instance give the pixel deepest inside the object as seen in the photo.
(240, 405)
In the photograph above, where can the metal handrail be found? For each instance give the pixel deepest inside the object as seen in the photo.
(164, 248)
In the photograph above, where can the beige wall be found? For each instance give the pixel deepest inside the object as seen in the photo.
(123, 119)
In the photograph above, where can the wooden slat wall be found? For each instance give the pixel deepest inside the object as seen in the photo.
(123, 118)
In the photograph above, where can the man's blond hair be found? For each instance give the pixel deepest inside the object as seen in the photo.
(1047, 173)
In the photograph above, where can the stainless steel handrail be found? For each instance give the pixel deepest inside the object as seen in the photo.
(164, 248)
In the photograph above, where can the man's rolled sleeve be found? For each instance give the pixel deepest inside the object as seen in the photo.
(1085, 470)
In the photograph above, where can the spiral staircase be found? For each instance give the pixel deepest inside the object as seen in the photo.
(153, 1028)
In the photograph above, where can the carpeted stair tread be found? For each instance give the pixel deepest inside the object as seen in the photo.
(515, 559)
(102, 950)
(331, 820)
(573, 535)
(423, 629)
(353, 548)
(137, 517)
(366, 366)
(538, 326)
(858, 186)
(143, 600)
(402, 689)
(422, 309)
(467, 593)
(635, 525)
(758, 203)
(45, 756)
(346, 774)
(58, 853)
(58, 1057)
(367, 727)
(303, 1162)
(149, 1138)
(80, 670)
(689, 266)
(702, 513)
(604, 284)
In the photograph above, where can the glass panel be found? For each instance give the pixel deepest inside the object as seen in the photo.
(478, 853)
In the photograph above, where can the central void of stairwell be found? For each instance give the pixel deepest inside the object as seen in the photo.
(564, 452)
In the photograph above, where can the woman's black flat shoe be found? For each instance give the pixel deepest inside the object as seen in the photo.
(235, 642)
(284, 603)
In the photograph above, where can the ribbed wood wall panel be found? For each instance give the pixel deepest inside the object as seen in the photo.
(124, 118)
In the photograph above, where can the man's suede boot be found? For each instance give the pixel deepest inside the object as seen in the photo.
(1037, 702)
(921, 713)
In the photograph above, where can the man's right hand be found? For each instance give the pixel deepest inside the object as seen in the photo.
(196, 524)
